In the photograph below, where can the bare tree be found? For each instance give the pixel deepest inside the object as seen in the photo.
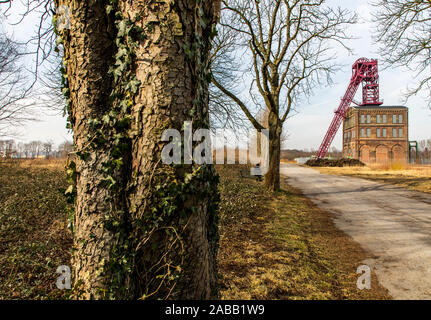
(425, 151)
(20, 149)
(47, 147)
(65, 149)
(27, 150)
(286, 45)
(36, 88)
(43, 42)
(335, 153)
(263, 118)
(15, 109)
(404, 36)
(50, 85)
(7, 148)
(35, 148)
(224, 112)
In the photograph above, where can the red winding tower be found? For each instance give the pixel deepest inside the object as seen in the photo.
(364, 71)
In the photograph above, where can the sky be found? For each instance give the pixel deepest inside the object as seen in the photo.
(308, 126)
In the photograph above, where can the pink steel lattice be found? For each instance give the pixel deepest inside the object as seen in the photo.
(363, 71)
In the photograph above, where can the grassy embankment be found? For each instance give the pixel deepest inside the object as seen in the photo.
(271, 247)
(413, 177)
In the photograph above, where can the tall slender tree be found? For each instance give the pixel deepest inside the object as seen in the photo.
(142, 228)
(286, 44)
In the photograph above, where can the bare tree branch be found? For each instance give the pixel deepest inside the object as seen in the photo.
(287, 45)
(16, 107)
(404, 35)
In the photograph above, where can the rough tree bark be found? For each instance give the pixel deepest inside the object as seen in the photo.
(88, 54)
(170, 83)
(272, 178)
(152, 231)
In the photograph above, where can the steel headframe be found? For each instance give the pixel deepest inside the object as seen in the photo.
(364, 71)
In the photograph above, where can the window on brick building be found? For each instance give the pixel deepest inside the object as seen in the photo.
(384, 118)
(400, 132)
(394, 118)
(363, 133)
(384, 131)
(400, 118)
(394, 132)
(368, 133)
(379, 133)
(379, 120)
(368, 118)
(362, 118)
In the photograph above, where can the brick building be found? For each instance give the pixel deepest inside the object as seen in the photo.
(376, 134)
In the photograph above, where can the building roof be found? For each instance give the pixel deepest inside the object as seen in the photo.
(379, 107)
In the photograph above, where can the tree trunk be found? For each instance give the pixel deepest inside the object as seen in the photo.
(172, 91)
(272, 178)
(142, 229)
(88, 55)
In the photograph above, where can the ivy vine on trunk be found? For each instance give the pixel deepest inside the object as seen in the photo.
(142, 229)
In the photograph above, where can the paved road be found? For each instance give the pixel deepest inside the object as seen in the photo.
(391, 223)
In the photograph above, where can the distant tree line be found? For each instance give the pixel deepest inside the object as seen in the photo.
(292, 154)
(424, 147)
(424, 152)
(34, 149)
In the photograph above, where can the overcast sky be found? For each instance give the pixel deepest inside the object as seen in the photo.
(308, 127)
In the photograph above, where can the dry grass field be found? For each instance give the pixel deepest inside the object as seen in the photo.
(272, 246)
(413, 177)
(283, 247)
(34, 239)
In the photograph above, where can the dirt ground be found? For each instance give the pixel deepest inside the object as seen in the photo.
(34, 238)
(393, 224)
